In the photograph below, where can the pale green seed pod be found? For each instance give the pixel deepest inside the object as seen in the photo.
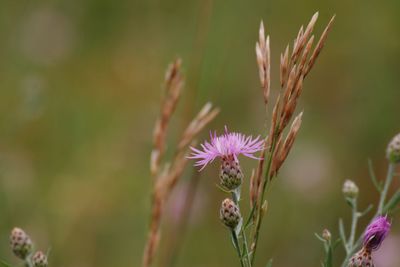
(350, 189)
(229, 213)
(393, 150)
(363, 258)
(231, 175)
(20, 243)
(39, 259)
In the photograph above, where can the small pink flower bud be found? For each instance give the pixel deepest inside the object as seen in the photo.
(20, 243)
(326, 235)
(229, 213)
(393, 150)
(350, 189)
(39, 259)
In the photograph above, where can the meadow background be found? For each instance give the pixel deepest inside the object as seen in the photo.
(80, 86)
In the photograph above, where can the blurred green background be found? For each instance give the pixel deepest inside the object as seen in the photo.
(80, 87)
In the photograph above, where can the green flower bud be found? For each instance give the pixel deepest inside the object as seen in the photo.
(39, 259)
(20, 243)
(350, 189)
(229, 213)
(231, 175)
(393, 150)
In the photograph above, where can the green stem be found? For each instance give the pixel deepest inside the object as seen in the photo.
(246, 246)
(388, 181)
(259, 215)
(236, 242)
(354, 220)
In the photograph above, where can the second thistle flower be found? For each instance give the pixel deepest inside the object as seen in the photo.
(374, 235)
(227, 147)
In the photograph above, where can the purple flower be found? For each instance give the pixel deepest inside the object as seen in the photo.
(376, 232)
(226, 145)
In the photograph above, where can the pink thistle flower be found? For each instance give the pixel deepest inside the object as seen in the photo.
(227, 145)
(374, 235)
(376, 232)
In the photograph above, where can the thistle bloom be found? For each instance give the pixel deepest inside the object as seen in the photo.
(227, 147)
(374, 235)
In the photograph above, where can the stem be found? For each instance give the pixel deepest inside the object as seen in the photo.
(236, 242)
(353, 224)
(246, 247)
(388, 181)
(259, 216)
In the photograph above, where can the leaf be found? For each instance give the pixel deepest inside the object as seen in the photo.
(342, 234)
(350, 202)
(238, 228)
(250, 217)
(393, 202)
(269, 264)
(222, 188)
(336, 243)
(372, 175)
(320, 237)
(361, 214)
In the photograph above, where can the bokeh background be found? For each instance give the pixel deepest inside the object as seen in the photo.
(80, 87)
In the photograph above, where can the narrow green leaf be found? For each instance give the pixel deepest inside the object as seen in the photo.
(222, 189)
(249, 219)
(342, 234)
(350, 202)
(368, 209)
(319, 237)
(393, 202)
(372, 175)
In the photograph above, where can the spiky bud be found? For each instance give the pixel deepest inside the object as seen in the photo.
(326, 235)
(393, 150)
(231, 175)
(39, 259)
(362, 258)
(20, 243)
(350, 189)
(229, 213)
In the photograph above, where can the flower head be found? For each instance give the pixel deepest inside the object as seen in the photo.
(376, 232)
(226, 145)
(393, 150)
(20, 243)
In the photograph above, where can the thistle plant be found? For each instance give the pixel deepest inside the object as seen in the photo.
(358, 250)
(22, 247)
(274, 147)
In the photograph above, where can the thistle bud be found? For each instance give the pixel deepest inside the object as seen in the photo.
(350, 189)
(231, 175)
(362, 258)
(20, 243)
(326, 235)
(229, 213)
(39, 259)
(393, 150)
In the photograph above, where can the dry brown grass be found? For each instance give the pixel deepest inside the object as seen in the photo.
(294, 67)
(166, 173)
